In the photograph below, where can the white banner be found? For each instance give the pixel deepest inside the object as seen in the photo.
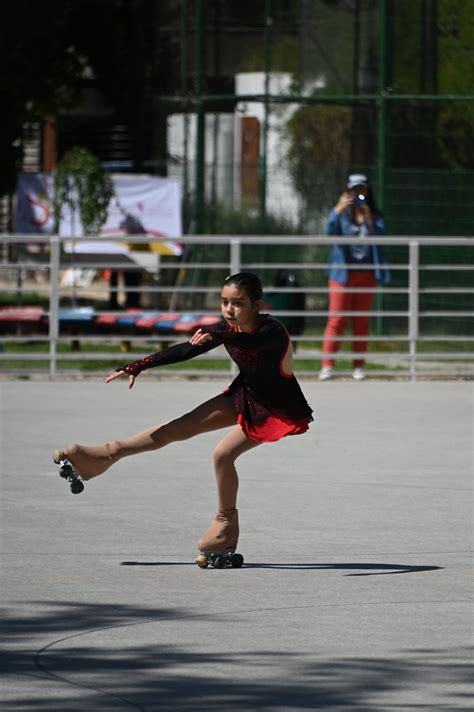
(34, 209)
(142, 205)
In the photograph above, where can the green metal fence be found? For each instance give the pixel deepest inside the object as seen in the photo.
(394, 98)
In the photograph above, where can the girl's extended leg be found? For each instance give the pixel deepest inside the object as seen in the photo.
(216, 413)
(223, 532)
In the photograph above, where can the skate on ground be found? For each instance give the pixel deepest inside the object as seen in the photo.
(219, 559)
(68, 472)
(217, 546)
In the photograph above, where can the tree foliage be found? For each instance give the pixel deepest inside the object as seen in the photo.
(319, 138)
(456, 76)
(83, 185)
(49, 50)
(39, 73)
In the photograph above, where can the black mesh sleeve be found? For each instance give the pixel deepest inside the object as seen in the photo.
(173, 354)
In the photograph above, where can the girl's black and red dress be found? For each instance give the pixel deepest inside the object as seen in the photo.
(269, 401)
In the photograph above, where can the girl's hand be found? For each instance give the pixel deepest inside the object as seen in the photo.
(118, 374)
(199, 338)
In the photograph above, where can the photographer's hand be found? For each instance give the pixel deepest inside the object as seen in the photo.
(346, 200)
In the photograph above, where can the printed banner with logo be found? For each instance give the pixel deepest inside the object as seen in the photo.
(34, 207)
(142, 205)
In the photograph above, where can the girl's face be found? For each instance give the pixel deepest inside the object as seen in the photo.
(238, 309)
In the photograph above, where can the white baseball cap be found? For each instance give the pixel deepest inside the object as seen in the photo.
(357, 179)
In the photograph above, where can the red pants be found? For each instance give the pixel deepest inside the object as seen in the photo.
(341, 300)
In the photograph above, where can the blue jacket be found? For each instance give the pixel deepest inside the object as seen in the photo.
(342, 225)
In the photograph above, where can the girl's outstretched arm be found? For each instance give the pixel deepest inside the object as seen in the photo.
(173, 354)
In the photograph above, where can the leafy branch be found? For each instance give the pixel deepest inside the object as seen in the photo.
(83, 185)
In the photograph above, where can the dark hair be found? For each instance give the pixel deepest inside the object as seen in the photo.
(247, 281)
(371, 199)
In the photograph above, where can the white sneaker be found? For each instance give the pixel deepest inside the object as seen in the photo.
(325, 373)
(358, 374)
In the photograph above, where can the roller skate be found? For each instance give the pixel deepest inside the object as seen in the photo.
(67, 471)
(81, 462)
(217, 546)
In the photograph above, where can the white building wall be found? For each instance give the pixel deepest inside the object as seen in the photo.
(219, 152)
(281, 200)
(223, 145)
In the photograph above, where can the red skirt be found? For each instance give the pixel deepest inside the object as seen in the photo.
(273, 428)
(261, 423)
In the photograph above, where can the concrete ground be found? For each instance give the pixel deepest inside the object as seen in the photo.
(356, 590)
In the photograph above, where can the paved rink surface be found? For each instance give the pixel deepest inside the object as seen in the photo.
(356, 590)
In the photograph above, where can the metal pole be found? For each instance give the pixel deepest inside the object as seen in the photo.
(381, 195)
(55, 255)
(381, 127)
(356, 50)
(235, 256)
(322, 98)
(235, 262)
(381, 103)
(216, 124)
(200, 170)
(263, 155)
(200, 59)
(381, 132)
(413, 275)
(184, 90)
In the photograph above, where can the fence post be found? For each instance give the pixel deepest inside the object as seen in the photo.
(54, 257)
(414, 253)
(235, 256)
(235, 262)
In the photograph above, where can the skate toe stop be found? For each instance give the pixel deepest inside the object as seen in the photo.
(58, 455)
(202, 561)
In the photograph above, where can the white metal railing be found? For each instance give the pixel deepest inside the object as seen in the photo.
(56, 261)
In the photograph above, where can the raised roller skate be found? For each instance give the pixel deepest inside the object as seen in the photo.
(82, 462)
(67, 472)
(217, 546)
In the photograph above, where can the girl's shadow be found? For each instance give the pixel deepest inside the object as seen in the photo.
(357, 569)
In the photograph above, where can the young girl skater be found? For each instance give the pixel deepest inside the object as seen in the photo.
(264, 403)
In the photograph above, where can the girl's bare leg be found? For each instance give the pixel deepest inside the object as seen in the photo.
(223, 532)
(226, 453)
(91, 461)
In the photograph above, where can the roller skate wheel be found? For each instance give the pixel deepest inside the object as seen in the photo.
(236, 561)
(58, 455)
(77, 487)
(202, 561)
(218, 562)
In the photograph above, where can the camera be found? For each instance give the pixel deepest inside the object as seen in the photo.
(360, 199)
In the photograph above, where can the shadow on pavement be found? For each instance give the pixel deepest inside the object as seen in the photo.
(359, 569)
(112, 671)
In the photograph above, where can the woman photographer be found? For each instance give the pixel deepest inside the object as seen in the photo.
(355, 215)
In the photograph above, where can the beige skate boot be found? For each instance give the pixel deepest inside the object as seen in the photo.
(82, 462)
(218, 544)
